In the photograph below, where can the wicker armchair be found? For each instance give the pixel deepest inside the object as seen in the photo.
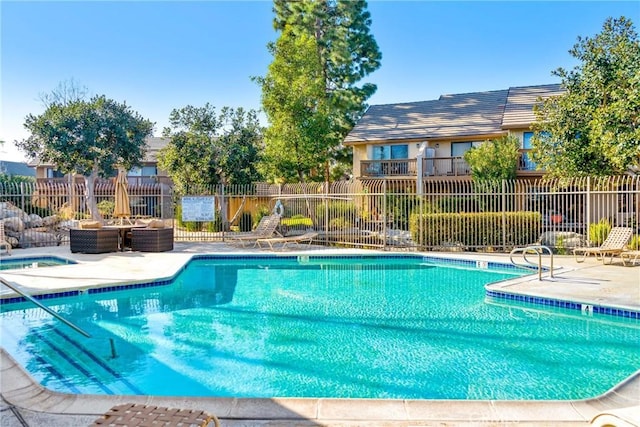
(149, 239)
(93, 241)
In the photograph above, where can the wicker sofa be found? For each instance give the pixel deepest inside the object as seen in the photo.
(151, 239)
(93, 241)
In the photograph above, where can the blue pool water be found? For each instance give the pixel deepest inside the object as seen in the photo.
(32, 262)
(371, 327)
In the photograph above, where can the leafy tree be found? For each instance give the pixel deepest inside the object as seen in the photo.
(293, 98)
(91, 138)
(342, 53)
(207, 148)
(494, 160)
(594, 128)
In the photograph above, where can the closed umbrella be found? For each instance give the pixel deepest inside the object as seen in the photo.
(122, 209)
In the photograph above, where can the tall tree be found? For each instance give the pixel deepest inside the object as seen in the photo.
(207, 148)
(345, 52)
(594, 128)
(293, 98)
(91, 138)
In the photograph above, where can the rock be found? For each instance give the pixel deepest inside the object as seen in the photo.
(51, 220)
(12, 241)
(29, 239)
(34, 221)
(566, 239)
(14, 224)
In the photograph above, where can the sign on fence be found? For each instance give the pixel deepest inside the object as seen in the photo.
(198, 208)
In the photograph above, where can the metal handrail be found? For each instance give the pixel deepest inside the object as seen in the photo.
(45, 308)
(536, 249)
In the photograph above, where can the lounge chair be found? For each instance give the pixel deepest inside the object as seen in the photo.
(3, 239)
(631, 256)
(306, 237)
(613, 245)
(265, 229)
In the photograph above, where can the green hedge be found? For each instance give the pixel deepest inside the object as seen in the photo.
(477, 229)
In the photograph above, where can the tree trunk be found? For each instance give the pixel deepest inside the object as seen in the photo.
(90, 198)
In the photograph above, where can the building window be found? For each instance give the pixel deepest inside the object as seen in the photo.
(526, 162)
(387, 152)
(143, 171)
(54, 173)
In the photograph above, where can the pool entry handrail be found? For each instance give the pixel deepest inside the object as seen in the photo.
(533, 249)
(44, 307)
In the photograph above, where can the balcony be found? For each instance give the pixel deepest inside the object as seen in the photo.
(433, 166)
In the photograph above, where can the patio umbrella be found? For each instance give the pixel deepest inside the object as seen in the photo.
(122, 209)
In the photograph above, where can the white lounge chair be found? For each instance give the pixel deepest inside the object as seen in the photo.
(631, 256)
(613, 245)
(303, 238)
(265, 229)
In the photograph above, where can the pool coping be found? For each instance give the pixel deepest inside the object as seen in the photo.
(20, 390)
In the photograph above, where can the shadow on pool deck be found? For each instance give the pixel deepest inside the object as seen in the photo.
(25, 402)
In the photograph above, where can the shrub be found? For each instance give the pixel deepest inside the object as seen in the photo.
(213, 226)
(262, 212)
(346, 211)
(106, 208)
(477, 229)
(634, 243)
(598, 232)
(188, 225)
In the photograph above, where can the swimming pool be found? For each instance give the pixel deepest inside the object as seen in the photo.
(32, 262)
(389, 327)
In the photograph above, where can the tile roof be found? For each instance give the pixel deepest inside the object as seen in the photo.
(518, 112)
(456, 115)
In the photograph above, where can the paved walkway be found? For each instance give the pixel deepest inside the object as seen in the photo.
(25, 403)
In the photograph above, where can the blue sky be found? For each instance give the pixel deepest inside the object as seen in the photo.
(161, 55)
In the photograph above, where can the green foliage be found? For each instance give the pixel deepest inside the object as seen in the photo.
(15, 180)
(560, 248)
(187, 225)
(207, 148)
(106, 207)
(91, 138)
(296, 143)
(339, 223)
(263, 211)
(594, 128)
(310, 94)
(494, 160)
(297, 221)
(456, 204)
(634, 243)
(598, 232)
(87, 137)
(246, 222)
(476, 229)
(346, 211)
(214, 226)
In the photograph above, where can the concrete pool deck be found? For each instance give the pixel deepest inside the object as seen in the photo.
(25, 402)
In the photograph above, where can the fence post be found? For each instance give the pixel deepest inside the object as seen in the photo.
(385, 215)
(22, 205)
(503, 201)
(326, 216)
(588, 213)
